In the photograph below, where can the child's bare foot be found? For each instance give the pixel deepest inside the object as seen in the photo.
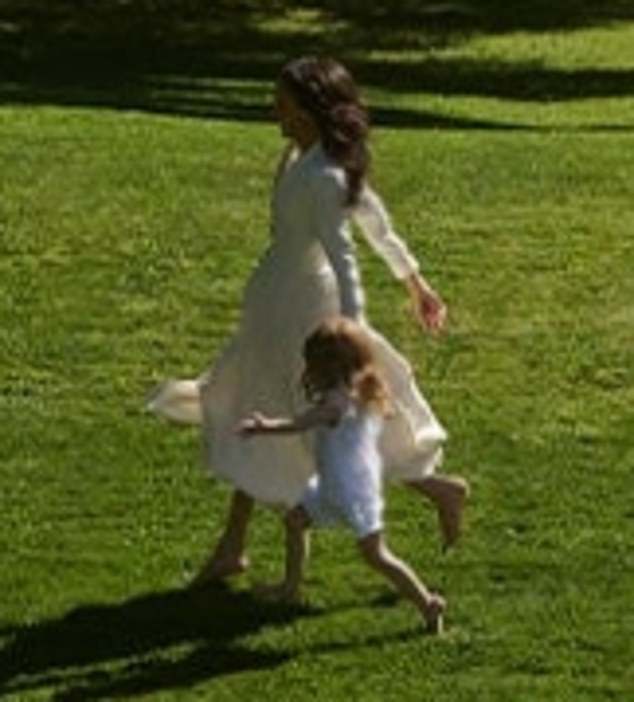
(450, 510)
(278, 592)
(218, 568)
(434, 615)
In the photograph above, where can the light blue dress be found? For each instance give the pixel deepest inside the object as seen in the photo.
(347, 488)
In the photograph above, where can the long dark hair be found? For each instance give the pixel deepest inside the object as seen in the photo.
(340, 352)
(327, 91)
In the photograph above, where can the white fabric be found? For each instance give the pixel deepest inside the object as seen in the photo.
(308, 272)
(371, 216)
(347, 487)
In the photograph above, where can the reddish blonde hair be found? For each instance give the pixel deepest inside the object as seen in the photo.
(340, 352)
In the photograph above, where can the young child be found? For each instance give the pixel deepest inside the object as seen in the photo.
(349, 402)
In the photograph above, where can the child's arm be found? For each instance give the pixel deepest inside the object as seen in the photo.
(325, 413)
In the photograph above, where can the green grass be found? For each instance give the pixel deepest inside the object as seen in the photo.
(125, 240)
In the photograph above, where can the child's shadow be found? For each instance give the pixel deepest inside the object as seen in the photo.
(120, 650)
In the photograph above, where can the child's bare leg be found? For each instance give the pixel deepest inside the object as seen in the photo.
(379, 557)
(228, 556)
(449, 494)
(297, 547)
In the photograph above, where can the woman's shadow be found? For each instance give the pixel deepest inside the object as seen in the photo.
(127, 649)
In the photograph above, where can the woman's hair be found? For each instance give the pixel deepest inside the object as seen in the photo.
(326, 90)
(340, 352)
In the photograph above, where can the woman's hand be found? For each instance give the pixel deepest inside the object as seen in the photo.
(429, 309)
(432, 311)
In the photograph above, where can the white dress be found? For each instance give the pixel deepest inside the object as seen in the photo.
(308, 272)
(348, 485)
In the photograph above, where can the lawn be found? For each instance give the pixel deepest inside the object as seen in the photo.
(131, 214)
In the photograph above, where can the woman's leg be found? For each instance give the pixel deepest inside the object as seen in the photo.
(297, 547)
(228, 556)
(449, 494)
(378, 556)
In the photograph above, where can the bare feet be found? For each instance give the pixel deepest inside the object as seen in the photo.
(451, 508)
(218, 568)
(434, 615)
(278, 592)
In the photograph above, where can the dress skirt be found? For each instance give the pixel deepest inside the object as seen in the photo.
(260, 370)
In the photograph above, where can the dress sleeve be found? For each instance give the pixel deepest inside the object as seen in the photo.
(374, 221)
(330, 218)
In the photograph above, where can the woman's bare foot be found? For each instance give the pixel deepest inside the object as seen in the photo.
(434, 615)
(218, 568)
(277, 592)
(450, 509)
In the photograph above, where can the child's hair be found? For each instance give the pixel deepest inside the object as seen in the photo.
(337, 352)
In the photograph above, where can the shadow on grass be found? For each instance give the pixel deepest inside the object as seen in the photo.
(219, 60)
(159, 641)
(204, 96)
(209, 103)
(127, 649)
(490, 16)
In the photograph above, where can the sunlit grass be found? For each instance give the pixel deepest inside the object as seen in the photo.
(125, 241)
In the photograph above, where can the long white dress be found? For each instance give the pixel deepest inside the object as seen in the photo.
(308, 273)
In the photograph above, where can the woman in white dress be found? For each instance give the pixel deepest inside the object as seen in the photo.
(308, 273)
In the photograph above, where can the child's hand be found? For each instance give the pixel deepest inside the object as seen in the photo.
(255, 423)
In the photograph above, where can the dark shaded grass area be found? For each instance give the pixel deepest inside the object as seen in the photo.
(206, 59)
(71, 649)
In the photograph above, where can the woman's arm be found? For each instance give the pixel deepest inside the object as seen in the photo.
(328, 219)
(374, 221)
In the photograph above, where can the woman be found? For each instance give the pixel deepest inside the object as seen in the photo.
(308, 273)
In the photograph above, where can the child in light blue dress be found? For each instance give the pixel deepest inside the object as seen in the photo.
(349, 403)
